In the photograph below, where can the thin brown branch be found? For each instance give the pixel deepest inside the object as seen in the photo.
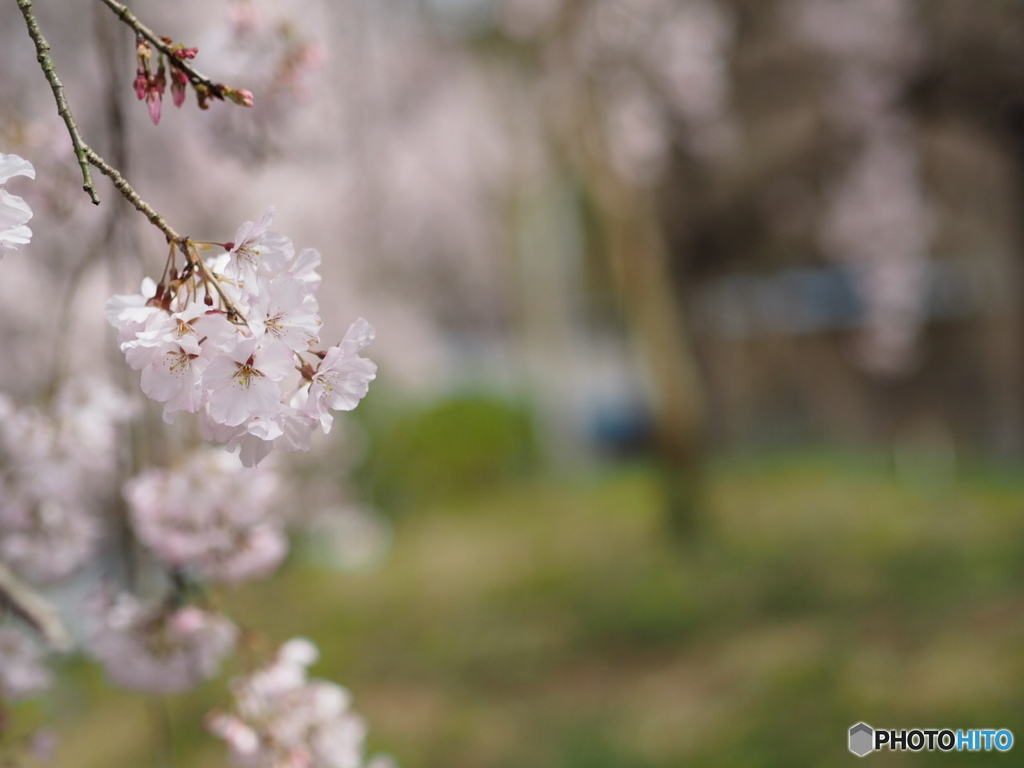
(63, 109)
(88, 156)
(209, 278)
(128, 192)
(32, 608)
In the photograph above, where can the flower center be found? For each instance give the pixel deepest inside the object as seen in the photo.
(247, 375)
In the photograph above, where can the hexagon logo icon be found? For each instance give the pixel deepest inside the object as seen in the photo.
(862, 739)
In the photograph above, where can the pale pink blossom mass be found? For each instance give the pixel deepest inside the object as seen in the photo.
(281, 718)
(56, 467)
(243, 357)
(210, 517)
(157, 648)
(23, 671)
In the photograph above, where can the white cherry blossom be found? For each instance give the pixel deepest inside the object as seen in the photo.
(130, 313)
(244, 383)
(257, 250)
(343, 377)
(14, 211)
(303, 267)
(284, 310)
(290, 430)
(172, 359)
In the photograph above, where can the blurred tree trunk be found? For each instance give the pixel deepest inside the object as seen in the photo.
(634, 251)
(638, 261)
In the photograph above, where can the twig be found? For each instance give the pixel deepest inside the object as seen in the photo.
(34, 610)
(128, 192)
(209, 278)
(88, 156)
(200, 81)
(63, 109)
(163, 736)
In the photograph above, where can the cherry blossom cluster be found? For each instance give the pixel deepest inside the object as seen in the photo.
(283, 719)
(58, 475)
(57, 469)
(158, 647)
(232, 338)
(14, 212)
(231, 333)
(209, 518)
(23, 671)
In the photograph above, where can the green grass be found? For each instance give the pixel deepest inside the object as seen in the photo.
(552, 624)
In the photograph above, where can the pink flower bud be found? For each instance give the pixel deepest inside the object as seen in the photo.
(141, 83)
(240, 96)
(155, 93)
(153, 101)
(179, 80)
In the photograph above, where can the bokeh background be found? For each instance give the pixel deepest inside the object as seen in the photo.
(699, 421)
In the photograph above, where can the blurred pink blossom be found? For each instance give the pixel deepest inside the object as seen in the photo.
(22, 668)
(155, 648)
(281, 718)
(55, 477)
(877, 220)
(209, 516)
